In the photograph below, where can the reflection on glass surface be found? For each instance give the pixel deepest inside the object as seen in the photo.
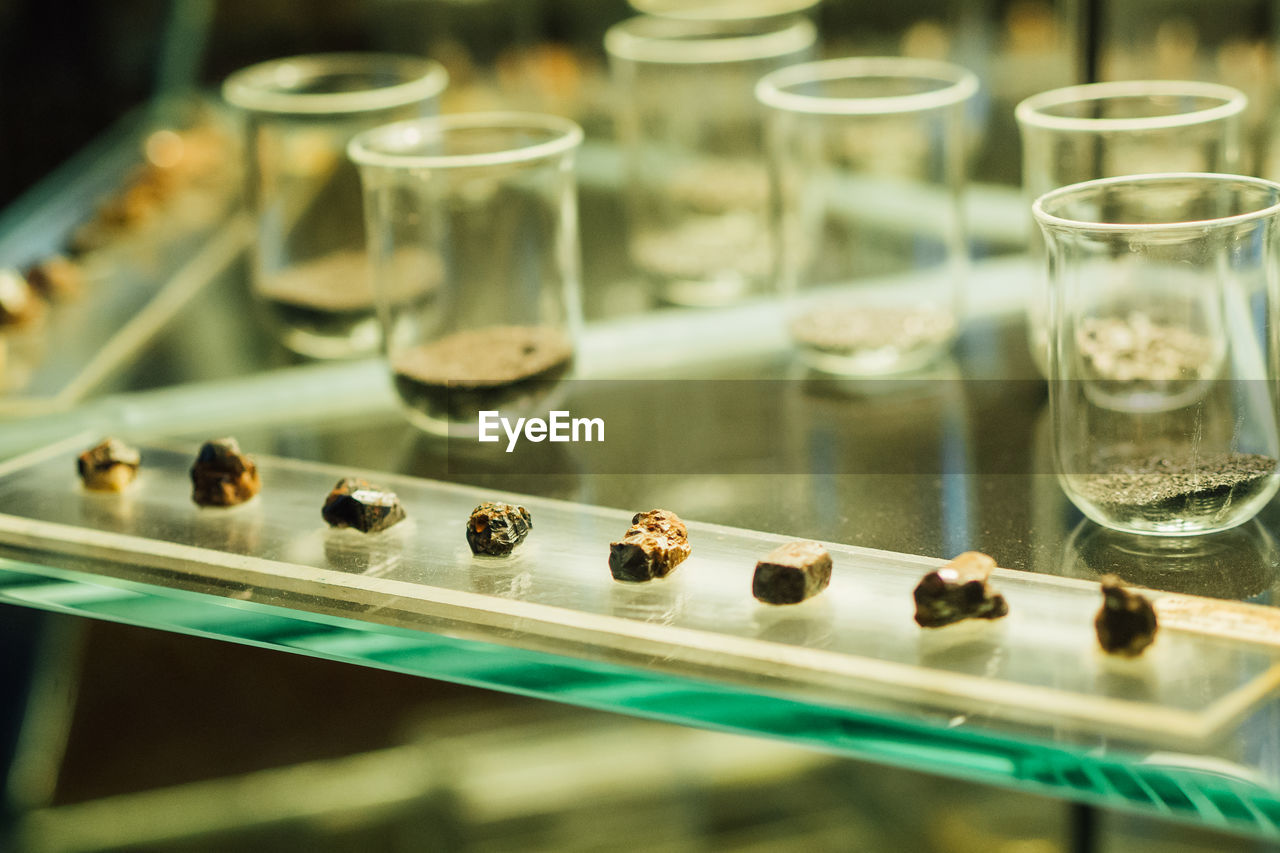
(1242, 563)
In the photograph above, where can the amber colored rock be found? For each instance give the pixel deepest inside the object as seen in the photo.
(959, 590)
(497, 528)
(362, 506)
(19, 302)
(791, 573)
(1126, 622)
(108, 467)
(56, 278)
(222, 475)
(652, 547)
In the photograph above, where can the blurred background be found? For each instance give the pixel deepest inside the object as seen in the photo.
(119, 738)
(71, 69)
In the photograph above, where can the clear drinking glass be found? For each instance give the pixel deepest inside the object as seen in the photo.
(1104, 130)
(868, 160)
(691, 135)
(1163, 348)
(310, 271)
(493, 197)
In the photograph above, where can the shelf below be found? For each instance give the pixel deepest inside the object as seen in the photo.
(1027, 700)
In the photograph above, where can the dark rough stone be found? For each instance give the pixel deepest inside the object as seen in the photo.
(108, 467)
(1126, 622)
(652, 547)
(497, 528)
(361, 505)
(959, 590)
(791, 573)
(222, 475)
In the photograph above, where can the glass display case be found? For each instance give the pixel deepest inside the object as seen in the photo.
(706, 412)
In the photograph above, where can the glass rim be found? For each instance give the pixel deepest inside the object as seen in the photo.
(257, 87)
(625, 40)
(1030, 111)
(723, 12)
(1050, 220)
(961, 84)
(368, 148)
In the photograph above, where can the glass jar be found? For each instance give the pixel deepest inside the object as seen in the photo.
(869, 166)
(310, 272)
(1104, 130)
(1163, 348)
(690, 131)
(473, 234)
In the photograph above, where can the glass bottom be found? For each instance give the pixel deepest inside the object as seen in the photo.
(706, 261)
(325, 334)
(705, 293)
(515, 371)
(1160, 497)
(325, 307)
(870, 340)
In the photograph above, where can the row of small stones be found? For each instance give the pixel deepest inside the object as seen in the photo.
(655, 544)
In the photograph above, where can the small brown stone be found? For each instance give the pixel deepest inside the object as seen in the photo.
(362, 506)
(652, 547)
(108, 467)
(959, 590)
(1126, 622)
(56, 278)
(497, 528)
(19, 302)
(792, 573)
(222, 475)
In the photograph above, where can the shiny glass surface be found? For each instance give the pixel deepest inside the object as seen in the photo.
(925, 468)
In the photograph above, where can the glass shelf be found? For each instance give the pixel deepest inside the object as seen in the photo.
(1037, 666)
(135, 284)
(1028, 699)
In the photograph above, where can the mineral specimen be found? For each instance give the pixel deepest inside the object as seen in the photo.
(652, 547)
(56, 278)
(108, 467)
(222, 475)
(19, 303)
(791, 573)
(959, 590)
(1126, 622)
(497, 528)
(362, 506)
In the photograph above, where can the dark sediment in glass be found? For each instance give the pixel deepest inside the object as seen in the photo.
(491, 369)
(1159, 487)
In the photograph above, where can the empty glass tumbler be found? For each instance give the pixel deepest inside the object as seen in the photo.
(310, 271)
(492, 197)
(1104, 130)
(1163, 347)
(869, 166)
(691, 137)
